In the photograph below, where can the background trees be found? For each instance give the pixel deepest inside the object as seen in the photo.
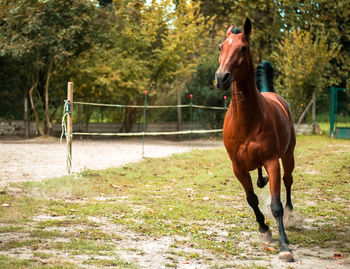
(38, 36)
(115, 50)
(303, 60)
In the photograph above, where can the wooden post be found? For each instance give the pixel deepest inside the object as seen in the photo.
(69, 109)
(314, 106)
(191, 115)
(179, 110)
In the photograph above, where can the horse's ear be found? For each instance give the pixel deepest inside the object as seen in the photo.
(247, 29)
(229, 30)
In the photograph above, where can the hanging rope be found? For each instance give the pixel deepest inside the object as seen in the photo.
(66, 112)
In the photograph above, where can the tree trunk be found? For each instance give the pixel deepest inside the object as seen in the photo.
(36, 116)
(316, 128)
(26, 115)
(48, 125)
(314, 107)
(129, 119)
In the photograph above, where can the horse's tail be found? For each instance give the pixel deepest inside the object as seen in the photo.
(264, 74)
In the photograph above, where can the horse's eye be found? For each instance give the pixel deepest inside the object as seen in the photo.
(244, 49)
(220, 47)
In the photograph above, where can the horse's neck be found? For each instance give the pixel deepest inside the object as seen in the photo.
(245, 104)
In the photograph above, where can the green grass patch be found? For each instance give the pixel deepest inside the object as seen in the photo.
(112, 263)
(83, 246)
(15, 263)
(32, 243)
(11, 228)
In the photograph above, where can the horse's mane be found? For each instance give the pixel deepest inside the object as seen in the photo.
(264, 77)
(236, 31)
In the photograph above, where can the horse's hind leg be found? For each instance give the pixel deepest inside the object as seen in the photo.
(290, 219)
(274, 173)
(246, 181)
(288, 167)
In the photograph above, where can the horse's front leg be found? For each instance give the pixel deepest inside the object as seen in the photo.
(274, 173)
(246, 181)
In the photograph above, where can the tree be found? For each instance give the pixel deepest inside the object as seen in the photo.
(205, 93)
(265, 16)
(331, 17)
(302, 60)
(151, 48)
(41, 35)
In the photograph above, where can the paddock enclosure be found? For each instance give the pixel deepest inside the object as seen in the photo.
(68, 131)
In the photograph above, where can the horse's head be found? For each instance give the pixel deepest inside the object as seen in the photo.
(234, 55)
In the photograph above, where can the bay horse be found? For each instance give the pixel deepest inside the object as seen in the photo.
(258, 131)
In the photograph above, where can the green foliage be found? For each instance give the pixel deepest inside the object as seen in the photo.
(303, 61)
(205, 93)
(331, 17)
(265, 16)
(39, 36)
(150, 48)
(115, 51)
(271, 19)
(40, 30)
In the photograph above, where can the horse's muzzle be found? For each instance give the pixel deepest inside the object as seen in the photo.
(223, 80)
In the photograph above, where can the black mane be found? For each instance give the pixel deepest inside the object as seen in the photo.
(236, 31)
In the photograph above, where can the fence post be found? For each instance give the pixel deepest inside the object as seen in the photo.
(225, 107)
(191, 116)
(331, 130)
(144, 125)
(69, 110)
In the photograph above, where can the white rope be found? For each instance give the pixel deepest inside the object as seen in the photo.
(143, 106)
(64, 132)
(209, 107)
(153, 133)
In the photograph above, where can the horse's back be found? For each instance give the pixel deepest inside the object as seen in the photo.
(280, 114)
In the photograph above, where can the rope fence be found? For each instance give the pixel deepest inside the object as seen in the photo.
(139, 106)
(67, 128)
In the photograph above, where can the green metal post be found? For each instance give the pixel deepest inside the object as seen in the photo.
(335, 108)
(144, 125)
(191, 96)
(225, 97)
(332, 112)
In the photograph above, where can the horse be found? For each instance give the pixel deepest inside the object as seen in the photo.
(258, 131)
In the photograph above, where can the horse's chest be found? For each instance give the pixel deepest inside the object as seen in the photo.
(244, 153)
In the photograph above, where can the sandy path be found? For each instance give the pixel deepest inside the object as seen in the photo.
(35, 159)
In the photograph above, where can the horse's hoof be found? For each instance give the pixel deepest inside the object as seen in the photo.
(286, 256)
(262, 181)
(266, 237)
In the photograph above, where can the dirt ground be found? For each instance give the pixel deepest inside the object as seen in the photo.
(39, 158)
(36, 159)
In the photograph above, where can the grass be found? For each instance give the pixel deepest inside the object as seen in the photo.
(9, 262)
(192, 196)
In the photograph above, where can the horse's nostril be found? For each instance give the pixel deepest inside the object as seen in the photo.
(226, 77)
